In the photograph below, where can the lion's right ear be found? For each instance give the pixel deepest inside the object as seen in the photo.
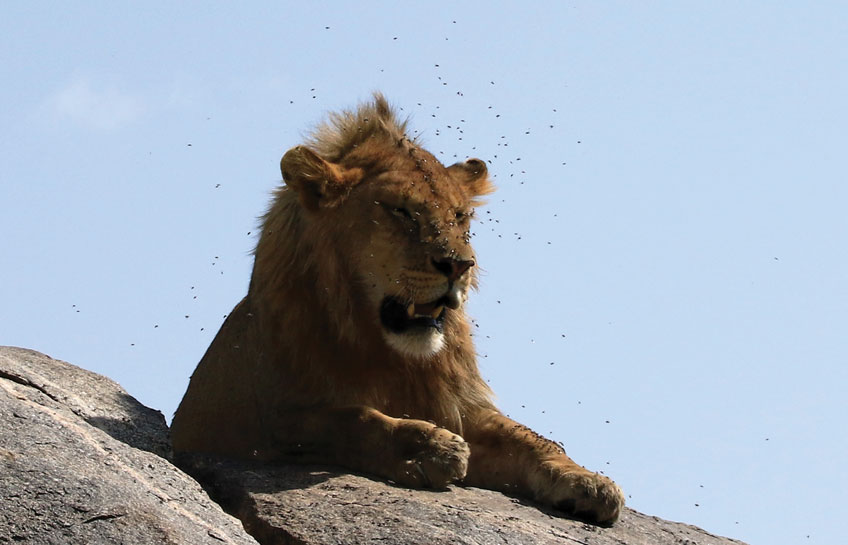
(474, 175)
(318, 183)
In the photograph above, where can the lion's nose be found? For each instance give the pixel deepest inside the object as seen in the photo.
(452, 268)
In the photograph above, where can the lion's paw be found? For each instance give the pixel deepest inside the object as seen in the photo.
(429, 456)
(582, 494)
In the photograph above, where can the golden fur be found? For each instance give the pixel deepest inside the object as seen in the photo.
(352, 346)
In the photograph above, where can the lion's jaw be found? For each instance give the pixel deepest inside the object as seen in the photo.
(416, 328)
(417, 344)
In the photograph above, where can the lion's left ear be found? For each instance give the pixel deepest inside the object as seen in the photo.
(318, 183)
(474, 175)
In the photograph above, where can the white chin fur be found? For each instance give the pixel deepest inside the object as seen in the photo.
(416, 344)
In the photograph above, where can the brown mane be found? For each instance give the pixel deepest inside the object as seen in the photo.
(342, 131)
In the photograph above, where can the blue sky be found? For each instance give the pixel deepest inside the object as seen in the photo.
(665, 258)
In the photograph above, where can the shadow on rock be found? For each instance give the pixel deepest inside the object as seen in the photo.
(136, 425)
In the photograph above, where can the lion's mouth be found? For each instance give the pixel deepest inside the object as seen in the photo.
(400, 317)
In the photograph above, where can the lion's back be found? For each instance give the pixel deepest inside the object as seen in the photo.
(215, 414)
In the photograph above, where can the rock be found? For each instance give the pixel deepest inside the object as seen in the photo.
(81, 463)
(322, 506)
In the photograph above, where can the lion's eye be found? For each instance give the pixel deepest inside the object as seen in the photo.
(461, 215)
(401, 212)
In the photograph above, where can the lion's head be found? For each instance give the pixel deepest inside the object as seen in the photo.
(382, 227)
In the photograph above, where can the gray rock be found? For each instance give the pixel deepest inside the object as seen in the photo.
(320, 506)
(81, 463)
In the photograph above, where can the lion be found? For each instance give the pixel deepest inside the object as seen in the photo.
(352, 346)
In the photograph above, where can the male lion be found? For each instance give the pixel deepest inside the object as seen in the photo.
(352, 346)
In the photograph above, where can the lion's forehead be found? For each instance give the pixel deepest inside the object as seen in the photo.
(410, 171)
(411, 188)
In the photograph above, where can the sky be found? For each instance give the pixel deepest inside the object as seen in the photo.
(664, 262)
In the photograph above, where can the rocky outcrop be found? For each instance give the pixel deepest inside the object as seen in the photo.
(324, 506)
(83, 462)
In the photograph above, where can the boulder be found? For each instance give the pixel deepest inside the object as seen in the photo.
(82, 462)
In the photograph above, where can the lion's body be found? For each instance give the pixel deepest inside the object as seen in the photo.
(352, 346)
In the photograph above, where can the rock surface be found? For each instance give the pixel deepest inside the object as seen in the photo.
(321, 506)
(82, 462)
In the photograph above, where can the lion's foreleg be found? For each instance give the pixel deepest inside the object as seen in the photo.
(409, 452)
(508, 456)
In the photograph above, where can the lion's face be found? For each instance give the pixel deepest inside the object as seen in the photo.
(403, 226)
(416, 262)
